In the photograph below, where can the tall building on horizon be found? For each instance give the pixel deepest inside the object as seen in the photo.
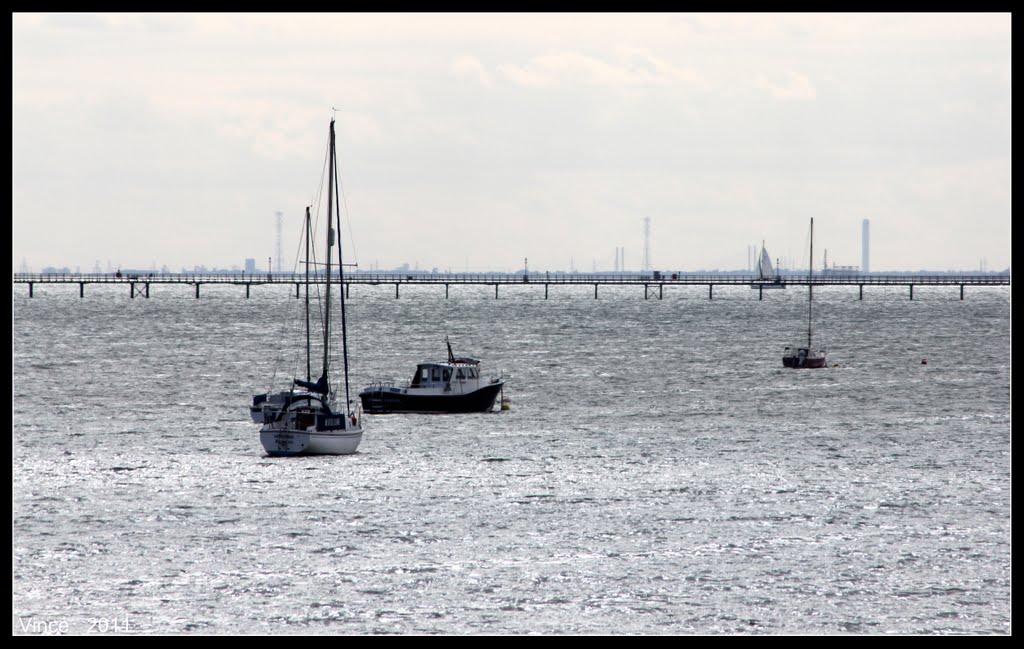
(645, 263)
(280, 220)
(865, 247)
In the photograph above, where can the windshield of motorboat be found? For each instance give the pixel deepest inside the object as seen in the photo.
(431, 373)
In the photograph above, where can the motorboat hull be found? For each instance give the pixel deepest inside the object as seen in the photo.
(381, 400)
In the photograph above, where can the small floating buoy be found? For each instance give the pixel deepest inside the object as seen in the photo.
(506, 404)
(924, 361)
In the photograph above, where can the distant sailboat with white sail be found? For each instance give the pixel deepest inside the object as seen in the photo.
(767, 276)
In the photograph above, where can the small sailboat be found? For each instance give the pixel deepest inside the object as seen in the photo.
(315, 417)
(767, 277)
(808, 356)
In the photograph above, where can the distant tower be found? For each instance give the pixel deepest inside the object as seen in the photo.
(646, 264)
(865, 247)
(280, 220)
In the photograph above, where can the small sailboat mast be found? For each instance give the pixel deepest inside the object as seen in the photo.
(308, 234)
(330, 244)
(341, 269)
(810, 286)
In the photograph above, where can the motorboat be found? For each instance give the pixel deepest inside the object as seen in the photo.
(447, 386)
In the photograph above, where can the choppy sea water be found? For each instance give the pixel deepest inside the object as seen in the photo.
(658, 472)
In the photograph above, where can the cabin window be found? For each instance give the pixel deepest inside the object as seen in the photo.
(435, 373)
(472, 373)
(447, 374)
(458, 374)
(425, 374)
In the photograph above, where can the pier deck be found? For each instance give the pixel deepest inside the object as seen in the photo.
(653, 283)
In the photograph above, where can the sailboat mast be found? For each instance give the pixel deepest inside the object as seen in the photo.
(330, 244)
(341, 271)
(810, 287)
(308, 234)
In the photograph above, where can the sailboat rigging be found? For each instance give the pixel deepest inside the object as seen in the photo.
(809, 357)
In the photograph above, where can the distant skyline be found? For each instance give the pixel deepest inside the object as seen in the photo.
(473, 142)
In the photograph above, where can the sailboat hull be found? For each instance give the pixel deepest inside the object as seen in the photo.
(803, 358)
(290, 442)
(307, 426)
(284, 442)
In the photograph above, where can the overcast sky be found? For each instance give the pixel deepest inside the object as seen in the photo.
(470, 142)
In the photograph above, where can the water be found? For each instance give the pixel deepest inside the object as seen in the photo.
(658, 472)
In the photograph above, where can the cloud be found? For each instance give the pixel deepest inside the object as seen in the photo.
(628, 67)
(470, 67)
(796, 86)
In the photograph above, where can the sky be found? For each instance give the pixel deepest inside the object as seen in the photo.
(486, 142)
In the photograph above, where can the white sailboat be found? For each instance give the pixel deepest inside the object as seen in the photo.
(318, 418)
(767, 277)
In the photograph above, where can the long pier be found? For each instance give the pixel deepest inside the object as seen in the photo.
(653, 283)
